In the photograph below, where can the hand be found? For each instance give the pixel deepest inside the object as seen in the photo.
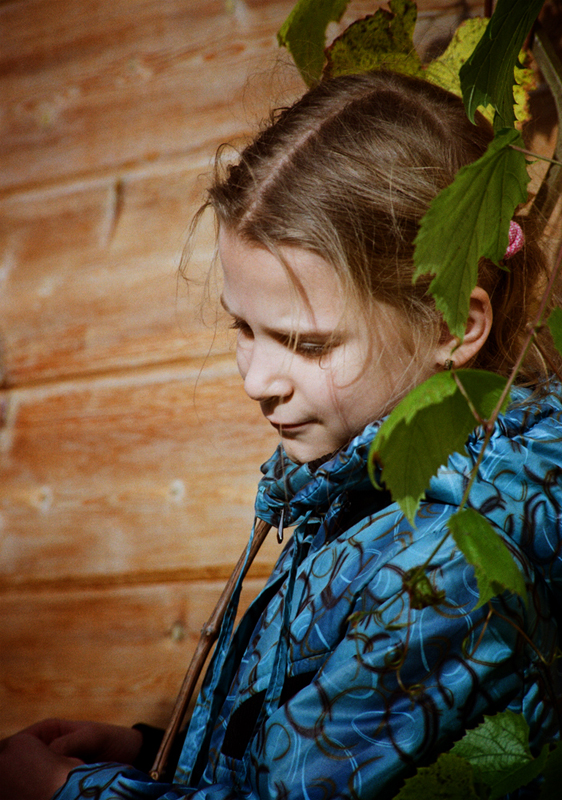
(89, 741)
(30, 770)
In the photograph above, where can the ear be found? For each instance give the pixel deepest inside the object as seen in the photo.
(478, 327)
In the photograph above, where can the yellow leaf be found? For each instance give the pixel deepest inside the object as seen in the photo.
(444, 71)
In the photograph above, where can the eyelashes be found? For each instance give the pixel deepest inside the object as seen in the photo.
(239, 325)
(303, 347)
(311, 349)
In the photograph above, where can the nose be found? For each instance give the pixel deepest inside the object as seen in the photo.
(265, 369)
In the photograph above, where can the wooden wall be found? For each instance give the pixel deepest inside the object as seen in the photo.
(128, 454)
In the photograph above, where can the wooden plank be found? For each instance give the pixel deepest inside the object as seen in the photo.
(85, 89)
(90, 276)
(139, 472)
(116, 655)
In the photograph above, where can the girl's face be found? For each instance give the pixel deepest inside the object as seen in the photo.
(319, 370)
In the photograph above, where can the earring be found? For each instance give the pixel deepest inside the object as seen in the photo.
(449, 364)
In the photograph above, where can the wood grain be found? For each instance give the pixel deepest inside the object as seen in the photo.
(147, 471)
(110, 654)
(87, 88)
(90, 280)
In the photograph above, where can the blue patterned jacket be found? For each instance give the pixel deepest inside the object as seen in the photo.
(340, 678)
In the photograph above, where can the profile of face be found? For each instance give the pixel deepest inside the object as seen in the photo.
(317, 365)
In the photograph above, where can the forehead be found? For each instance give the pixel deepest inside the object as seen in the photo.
(297, 290)
(294, 280)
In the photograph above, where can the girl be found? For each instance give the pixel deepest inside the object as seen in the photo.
(339, 681)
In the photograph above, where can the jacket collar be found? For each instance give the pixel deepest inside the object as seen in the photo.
(303, 491)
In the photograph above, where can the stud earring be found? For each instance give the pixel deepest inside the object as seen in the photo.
(449, 364)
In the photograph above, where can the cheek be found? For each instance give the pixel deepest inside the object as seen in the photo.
(334, 390)
(359, 391)
(342, 377)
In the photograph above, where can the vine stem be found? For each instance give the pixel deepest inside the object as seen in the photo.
(533, 328)
(535, 155)
(489, 424)
(529, 641)
(554, 367)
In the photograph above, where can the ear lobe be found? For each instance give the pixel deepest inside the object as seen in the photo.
(478, 326)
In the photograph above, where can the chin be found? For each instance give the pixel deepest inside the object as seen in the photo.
(290, 453)
(301, 453)
(298, 454)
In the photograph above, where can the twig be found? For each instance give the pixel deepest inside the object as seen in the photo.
(209, 635)
(466, 396)
(554, 367)
(535, 155)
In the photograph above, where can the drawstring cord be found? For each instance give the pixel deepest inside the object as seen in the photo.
(281, 526)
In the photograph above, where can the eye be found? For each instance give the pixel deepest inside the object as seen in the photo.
(242, 327)
(312, 349)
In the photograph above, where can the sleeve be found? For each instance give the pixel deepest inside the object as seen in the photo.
(115, 781)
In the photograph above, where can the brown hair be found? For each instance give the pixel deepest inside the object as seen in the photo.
(348, 172)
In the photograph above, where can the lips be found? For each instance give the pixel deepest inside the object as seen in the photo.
(284, 427)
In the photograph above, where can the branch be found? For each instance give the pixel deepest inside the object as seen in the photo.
(554, 367)
(208, 636)
(535, 155)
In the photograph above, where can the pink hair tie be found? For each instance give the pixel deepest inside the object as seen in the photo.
(516, 239)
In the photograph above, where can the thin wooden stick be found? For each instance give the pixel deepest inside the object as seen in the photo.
(209, 635)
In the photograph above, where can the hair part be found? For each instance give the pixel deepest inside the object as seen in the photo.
(348, 172)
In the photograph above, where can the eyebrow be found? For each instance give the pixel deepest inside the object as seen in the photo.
(312, 334)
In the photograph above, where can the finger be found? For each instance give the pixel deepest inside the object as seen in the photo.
(47, 729)
(100, 742)
(81, 742)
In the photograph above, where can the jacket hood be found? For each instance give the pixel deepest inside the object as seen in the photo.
(519, 486)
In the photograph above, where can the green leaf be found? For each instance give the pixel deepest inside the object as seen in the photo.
(444, 70)
(552, 772)
(304, 33)
(499, 750)
(554, 323)
(494, 566)
(431, 422)
(449, 778)
(457, 230)
(383, 39)
(488, 75)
